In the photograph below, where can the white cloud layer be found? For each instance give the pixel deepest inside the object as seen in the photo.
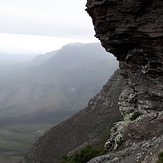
(53, 19)
(16, 43)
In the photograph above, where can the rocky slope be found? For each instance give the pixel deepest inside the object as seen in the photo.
(133, 31)
(86, 127)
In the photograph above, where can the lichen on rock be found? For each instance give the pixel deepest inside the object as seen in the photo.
(127, 109)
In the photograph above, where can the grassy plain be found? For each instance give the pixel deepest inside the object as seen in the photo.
(16, 140)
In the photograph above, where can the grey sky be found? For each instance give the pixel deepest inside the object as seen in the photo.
(50, 18)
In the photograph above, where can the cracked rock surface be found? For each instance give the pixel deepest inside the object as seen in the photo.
(133, 31)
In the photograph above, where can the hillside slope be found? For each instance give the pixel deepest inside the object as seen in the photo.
(85, 127)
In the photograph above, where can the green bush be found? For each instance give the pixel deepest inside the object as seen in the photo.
(90, 151)
(83, 156)
(160, 158)
(135, 115)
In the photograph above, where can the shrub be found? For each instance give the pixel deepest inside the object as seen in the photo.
(83, 156)
(90, 151)
(135, 115)
(160, 158)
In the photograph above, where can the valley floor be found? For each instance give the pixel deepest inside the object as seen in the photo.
(16, 140)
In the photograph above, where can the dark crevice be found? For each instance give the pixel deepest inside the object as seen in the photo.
(144, 6)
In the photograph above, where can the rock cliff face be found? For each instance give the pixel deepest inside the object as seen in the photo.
(133, 31)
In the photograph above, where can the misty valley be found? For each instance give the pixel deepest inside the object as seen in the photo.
(38, 94)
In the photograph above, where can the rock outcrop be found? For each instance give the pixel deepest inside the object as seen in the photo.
(84, 128)
(133, 31)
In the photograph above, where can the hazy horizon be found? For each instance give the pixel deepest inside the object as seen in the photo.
(41, 26)
(32, 44)
(25, 56)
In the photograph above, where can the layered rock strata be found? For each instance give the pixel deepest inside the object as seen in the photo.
(133, 31)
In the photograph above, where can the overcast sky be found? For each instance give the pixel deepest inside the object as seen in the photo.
(39, 26)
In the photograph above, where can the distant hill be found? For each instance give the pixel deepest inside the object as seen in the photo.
(57, 84)
(43, 57)
(10, 58)
(76, 55)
